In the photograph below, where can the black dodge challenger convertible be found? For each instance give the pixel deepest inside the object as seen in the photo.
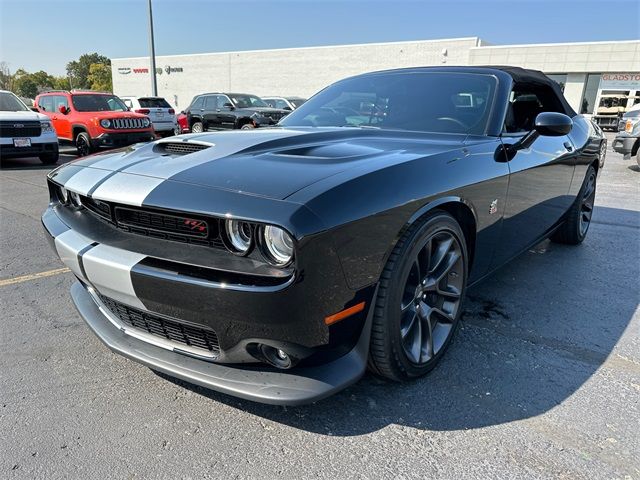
(278, 264)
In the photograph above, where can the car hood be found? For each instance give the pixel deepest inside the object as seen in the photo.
(111, 115)
(273, 163)
(22, 116)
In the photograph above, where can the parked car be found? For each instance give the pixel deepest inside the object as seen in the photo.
(90, 120)
(225, 111)
(159, 111)
(276, 265)
(627, 142)
(24, 133)
(284, 103)
(183, 123)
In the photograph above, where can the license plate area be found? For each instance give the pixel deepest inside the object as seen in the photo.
(21, 142)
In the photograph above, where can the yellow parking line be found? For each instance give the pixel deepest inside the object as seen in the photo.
(32, 276)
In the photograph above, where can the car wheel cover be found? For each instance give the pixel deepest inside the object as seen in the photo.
(82, 146)
(197, 128)
(586, 206)
(431, 297)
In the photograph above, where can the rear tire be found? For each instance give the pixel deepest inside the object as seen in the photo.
(247, 126)
(575, 227)
(419, 301)
(197, 127)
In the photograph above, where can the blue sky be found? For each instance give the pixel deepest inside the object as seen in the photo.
(37, 34)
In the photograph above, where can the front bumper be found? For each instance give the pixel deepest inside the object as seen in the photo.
(9, 151)
(624, 144)
(109, 140)
(266, 385)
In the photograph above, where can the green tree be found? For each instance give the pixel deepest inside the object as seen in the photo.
(100, 77)
(6, 78)
(78, 70)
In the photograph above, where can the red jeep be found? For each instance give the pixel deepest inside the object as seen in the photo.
(91, 120)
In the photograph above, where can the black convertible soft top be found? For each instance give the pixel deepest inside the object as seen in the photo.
(536, 77)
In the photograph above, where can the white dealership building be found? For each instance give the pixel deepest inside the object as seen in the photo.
(587, 70)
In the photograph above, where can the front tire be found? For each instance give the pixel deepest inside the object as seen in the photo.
(49, 158)
(247, 126)
(419, 299)
(197, 127)
(574, 229)
(83, 144)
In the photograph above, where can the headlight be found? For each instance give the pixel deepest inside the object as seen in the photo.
(75, 199)
(239, 236)
(105, 123)
(63, 194)
(278, 245)
(146, 122)
(46, 127)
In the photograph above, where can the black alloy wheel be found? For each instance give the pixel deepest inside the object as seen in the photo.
(419, 299)
(574, 228)
(586, 205)
(432, 297)
(83, 144)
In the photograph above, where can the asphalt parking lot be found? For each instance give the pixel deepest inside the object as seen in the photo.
(542, 381)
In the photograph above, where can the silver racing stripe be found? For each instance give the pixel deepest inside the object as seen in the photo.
(68, 244)
(83, 181)
(223, 144)
(109, 271)
(126, 189)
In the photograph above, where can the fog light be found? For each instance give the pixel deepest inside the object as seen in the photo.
(276, 357)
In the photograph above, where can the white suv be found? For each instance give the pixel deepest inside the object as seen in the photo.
(24, 133)
(161, 114)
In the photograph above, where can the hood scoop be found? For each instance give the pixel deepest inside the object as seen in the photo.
(181, 148)
(331, 151)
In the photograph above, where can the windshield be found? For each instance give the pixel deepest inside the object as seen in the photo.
(418, 101)
(247, 101)
(10, 103)
(98, 103)
(296, 101)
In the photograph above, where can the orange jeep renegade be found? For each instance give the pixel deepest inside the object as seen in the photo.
(91, 120)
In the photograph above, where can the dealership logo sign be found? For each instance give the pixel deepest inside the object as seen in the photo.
(168, 69)
(124, 70)
(620, 81)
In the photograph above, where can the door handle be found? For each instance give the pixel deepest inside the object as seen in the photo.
(568, 146)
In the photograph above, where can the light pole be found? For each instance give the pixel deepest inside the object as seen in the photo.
(152, 70)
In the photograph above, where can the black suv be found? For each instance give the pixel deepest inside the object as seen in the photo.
(222, 111)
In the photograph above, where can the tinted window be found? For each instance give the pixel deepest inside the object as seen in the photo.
(246, 101)
(197, 103)
(418, 101)
(46, 103)
(281, 104)
(210, 102)
(270, 102)
(297, 101)
(10, 103)
(98, 103)
(153, 103)
(60, 100)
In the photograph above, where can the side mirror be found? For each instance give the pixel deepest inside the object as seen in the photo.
(228, 105)
(62, 109)
(34, 109)
(547, 124)
(552, 124)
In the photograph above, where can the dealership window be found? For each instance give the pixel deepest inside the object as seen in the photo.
(590, 93)
(560, 79)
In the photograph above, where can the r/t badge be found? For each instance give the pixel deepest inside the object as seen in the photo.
(493, 208)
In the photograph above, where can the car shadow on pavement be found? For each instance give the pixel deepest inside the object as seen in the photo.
(531, 335)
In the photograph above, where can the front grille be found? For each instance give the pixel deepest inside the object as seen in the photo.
(164, 327)
(12, 129)
(161, 222)
(152, 223)
(182, 148)
(127, 123)
(98, 207)
(275, 116)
